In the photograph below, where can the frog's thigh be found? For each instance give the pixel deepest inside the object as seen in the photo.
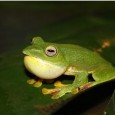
(104, 75)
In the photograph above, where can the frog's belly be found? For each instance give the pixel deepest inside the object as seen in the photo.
(43, 69)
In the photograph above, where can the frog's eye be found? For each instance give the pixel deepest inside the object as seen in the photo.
(51, 51)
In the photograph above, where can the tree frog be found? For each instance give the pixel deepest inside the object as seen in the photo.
(48, 61)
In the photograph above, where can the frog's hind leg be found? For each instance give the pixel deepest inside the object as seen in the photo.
(103, 75)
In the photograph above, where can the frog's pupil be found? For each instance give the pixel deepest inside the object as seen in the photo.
(50, 50)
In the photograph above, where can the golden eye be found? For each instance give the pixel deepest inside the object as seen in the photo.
(51, 51)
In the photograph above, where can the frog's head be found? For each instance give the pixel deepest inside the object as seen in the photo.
(44, 60)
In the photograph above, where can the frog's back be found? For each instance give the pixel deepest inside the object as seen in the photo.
(82, 57)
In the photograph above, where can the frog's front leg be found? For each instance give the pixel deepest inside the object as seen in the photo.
(58, 86)
(80, 79)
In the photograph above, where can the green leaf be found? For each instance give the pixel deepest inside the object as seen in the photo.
(110, 110)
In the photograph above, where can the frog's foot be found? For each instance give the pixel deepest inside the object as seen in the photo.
(31, 81)
(64, 90)
(59, 84)
(52, 91)
(38, 83)
(34, 82)
(60, 90)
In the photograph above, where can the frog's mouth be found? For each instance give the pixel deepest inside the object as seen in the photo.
(43, 69)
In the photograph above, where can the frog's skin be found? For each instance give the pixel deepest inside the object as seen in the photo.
(51, 60)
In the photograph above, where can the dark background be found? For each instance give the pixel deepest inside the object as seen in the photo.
(55, 20)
